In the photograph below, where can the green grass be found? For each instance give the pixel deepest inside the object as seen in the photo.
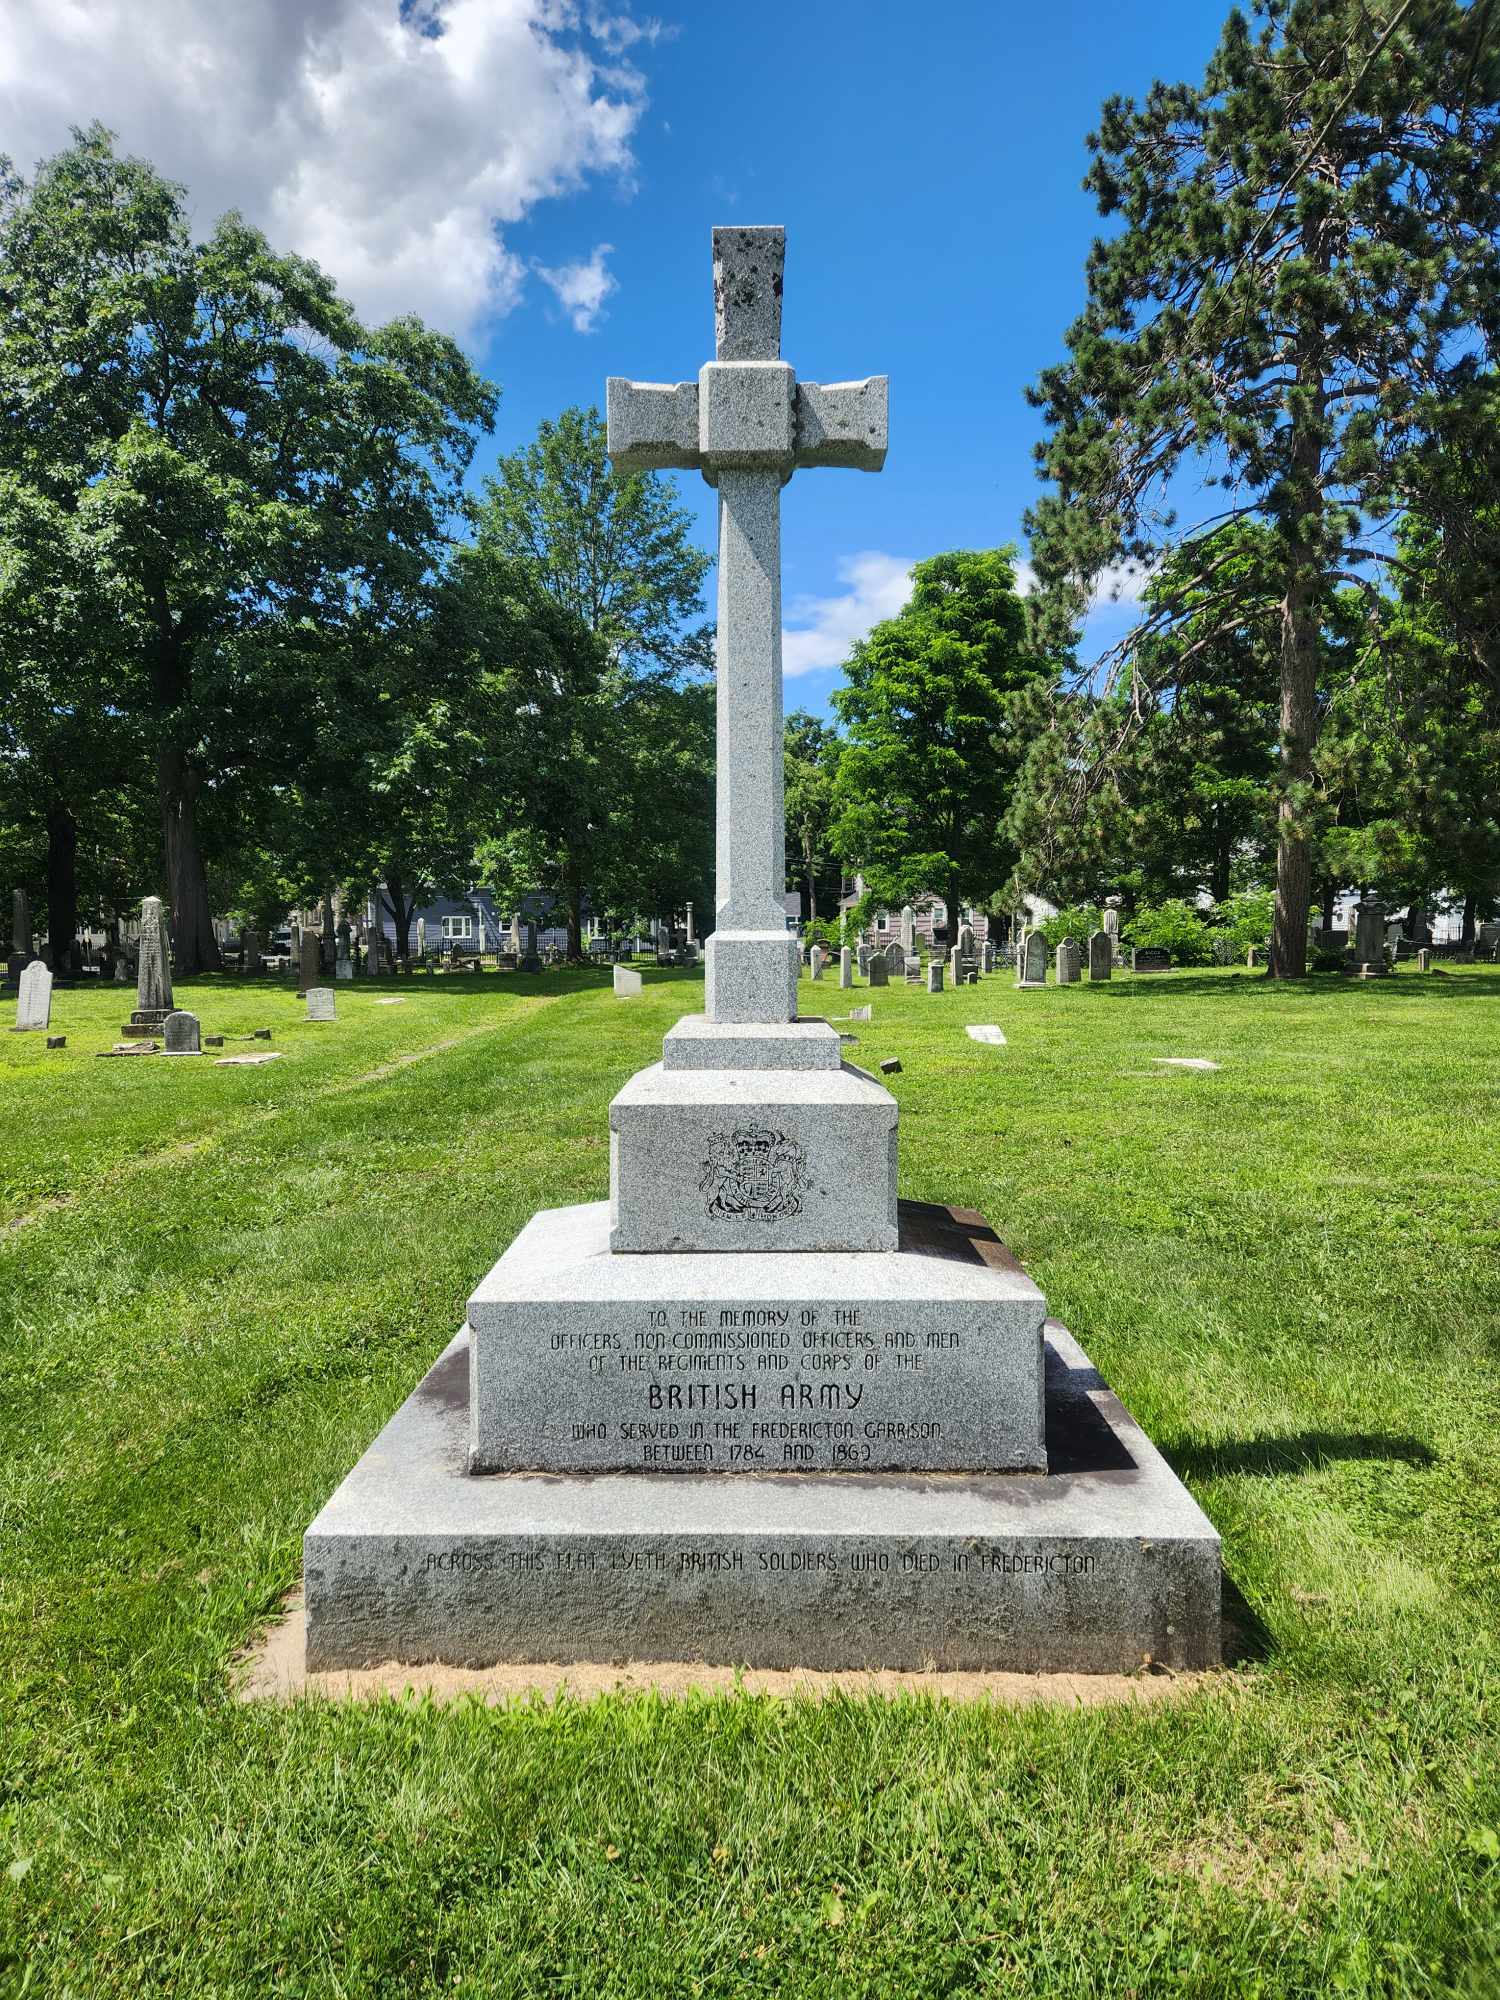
(216, 1284)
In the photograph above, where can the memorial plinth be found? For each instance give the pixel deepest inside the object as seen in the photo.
(752, 1410)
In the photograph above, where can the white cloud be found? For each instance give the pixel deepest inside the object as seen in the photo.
(393, 147)
(581, 288)
(826, 627)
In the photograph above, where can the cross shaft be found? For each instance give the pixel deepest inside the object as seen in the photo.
(746, 424)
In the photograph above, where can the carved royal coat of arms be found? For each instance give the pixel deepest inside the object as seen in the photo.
(754, 1171)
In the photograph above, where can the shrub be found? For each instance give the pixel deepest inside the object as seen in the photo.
(1080, 922)
(1175, 927)
(1246, 920)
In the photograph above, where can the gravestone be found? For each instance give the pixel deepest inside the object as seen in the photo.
(122, 972)
(250, 949)
(956, 966)
(966, 941)
(987, 956)
(913, 970)
(153, 975)
(846, 967)
(815, 962)
(627, 982)
(529, 959)
(863, 956)
(1109, 923)
(1367, 955)
(180, 1036)
(895, 957)
(1424, 960)
(1252, 958)
(310, 961)
(934, 975)
(421, 937)
(1032, 963)
(1101, 955)
(320, 1003)
(1150, 959)
(33, 998)
(1069, 962)
(879, 970)
(374, 935)
(908, 931)
(751, 1301)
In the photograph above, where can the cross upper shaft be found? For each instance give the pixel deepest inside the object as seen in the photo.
(746, 411)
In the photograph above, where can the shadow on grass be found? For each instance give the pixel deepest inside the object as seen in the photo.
(450, 985)
(1303, 1451)
(1403, 985)
(1246, 1636)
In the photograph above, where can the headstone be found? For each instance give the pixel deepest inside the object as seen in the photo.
(1032, 964)
(986, 1031)
(956, 966)
(1150, 958)
(861, 1013)
(33, 997)
(153, 979)
(320, 1003)
(677, 1331)
(517, 941)
(180, 1036)
(1101, 955)
(692, 940)
(846, 967)
(1424, 960)
(966, 941)
(863, 956)
(310, 961)
(880, 971)
(627, 982)
(1069, 962)
(122, 972)
(374, 934)
(250, 949)
(934, 975)
(908, 931)
(815, 962)
(1368, 952)
(343, 939)
(987, 956)
(1252, 958)
(529, 960)
(913, 970)
(1109, 923)
(895, 957)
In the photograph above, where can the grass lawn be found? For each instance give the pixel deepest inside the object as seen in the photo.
(216, 1284)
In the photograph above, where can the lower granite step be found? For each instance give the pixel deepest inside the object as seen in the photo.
(1100, 1563)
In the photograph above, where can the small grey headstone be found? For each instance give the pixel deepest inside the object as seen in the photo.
(879, 971)
(1424, 960)
(1069, 962)
(180, 1035)
(861, 1013)
(1150, 958)
(344, 969)
(122, 972)
(846, 968)
(1185, 1062)
(1033, 961)
(260, 1034)
(891, 1066)
(213, 1041)
(627, 982)
(320, 1003)
(1101, 955)
(815, 962)
(33, 997)
(986, 1032)
(934, 975)
(57, 1041)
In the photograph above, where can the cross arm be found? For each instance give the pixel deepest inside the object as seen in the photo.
(652, 426)
(842, 423)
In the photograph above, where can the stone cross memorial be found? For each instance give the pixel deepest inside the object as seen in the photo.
(702, 1420)
(153, 976)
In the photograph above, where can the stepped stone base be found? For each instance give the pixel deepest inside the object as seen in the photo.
(752, 1159)
(927, 1357)
(145, 1024)
(1093, 1567)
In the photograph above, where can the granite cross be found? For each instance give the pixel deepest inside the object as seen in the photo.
(747, 424)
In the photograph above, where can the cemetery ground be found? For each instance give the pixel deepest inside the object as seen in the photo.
(217, 1283)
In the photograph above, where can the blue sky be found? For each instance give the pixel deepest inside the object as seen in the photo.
(926, 164)
(540, 177)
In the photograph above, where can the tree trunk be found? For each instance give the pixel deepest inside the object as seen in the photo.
(401, 911)
(1218, 887)
(810, 869)
(62, 888)
(194, 946)
(1469, 932)
(1330, 897)
(575, 917)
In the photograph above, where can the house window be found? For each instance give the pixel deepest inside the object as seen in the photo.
(458, 927)
(883, 920)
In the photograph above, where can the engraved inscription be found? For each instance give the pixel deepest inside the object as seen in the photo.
(754, 1171)
(942, 1561)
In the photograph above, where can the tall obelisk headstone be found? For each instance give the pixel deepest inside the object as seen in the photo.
(153, 974)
